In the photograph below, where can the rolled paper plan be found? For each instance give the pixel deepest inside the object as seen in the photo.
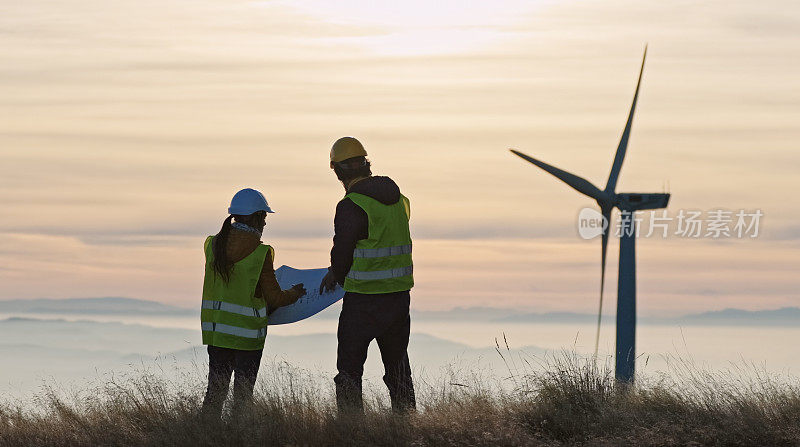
(309, 304)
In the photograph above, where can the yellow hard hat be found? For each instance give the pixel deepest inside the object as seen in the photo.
(346, 147)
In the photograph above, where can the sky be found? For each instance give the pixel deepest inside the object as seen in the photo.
(126, 126)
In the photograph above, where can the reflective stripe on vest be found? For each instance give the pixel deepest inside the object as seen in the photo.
(234, 330)
(235, 308)
(382, 252)
(381, 274)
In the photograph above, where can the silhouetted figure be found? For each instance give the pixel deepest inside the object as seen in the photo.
(371, 259)
(239, 292)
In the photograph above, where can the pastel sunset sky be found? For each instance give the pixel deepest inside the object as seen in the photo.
(126, 127)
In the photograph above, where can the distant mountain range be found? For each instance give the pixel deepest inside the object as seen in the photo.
(91, 306)
(787, 316)
(42, 350)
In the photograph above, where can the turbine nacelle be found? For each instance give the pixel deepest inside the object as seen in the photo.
(634, 201)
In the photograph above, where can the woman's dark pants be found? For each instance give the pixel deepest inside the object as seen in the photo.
(222, 362)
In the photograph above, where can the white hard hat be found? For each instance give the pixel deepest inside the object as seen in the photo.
(248, 201)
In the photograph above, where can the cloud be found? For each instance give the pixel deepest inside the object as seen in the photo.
(127, 127)
(783, 233)
(181, 230)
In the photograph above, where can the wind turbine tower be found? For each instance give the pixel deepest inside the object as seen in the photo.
(628, 203)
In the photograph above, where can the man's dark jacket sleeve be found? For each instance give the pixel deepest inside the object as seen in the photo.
(350, 225)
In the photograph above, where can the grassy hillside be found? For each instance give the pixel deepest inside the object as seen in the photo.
(571, 403)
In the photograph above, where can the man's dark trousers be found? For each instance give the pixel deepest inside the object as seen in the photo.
(221, 363)
(381, 317)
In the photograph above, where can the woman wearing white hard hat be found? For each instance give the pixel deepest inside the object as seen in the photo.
(239, 293)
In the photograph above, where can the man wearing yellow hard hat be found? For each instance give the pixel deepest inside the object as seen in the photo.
(371, 259)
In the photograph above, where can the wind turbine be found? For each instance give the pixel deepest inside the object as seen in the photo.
(628, 203)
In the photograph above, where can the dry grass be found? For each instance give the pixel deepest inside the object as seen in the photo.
(569, 402)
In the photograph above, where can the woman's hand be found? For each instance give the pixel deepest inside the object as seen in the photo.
(299, 288)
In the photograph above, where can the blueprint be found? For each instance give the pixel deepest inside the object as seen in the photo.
(309, 304)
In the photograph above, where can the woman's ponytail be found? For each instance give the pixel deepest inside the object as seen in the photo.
(222, 265)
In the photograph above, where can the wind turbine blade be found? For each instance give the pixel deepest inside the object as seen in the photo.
(581, 185)
(623, 142)
(607, 218)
